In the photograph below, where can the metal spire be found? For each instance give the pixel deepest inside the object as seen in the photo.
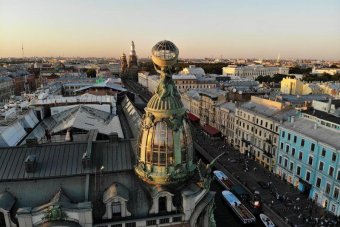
(22, 48)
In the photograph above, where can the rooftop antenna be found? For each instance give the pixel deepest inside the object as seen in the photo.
(22, 48)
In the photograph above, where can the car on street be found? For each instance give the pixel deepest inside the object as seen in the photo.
(262, 184)
(232, 160)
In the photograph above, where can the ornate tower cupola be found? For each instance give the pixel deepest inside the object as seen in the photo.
(123, 63)
(165, 148)
(133, 56)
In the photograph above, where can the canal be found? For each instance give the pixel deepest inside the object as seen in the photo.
(224, 216)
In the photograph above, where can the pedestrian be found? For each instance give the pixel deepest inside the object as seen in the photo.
(272, 202)
(48, 135)
(254, 169)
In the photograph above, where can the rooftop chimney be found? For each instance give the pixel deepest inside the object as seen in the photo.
(329, 105)
(292, 119)
(31, 142)
(315, 126)
(30, 164)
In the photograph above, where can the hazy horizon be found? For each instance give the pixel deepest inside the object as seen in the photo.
(234, 29)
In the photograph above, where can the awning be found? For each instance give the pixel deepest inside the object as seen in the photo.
(192, 117)
(212, 131)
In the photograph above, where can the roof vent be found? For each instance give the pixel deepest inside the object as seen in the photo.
(113, 137)
(30, 164)
(315, 126)
(32, 142)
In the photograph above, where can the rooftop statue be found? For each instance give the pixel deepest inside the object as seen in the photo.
(205, 172)
(165, 56)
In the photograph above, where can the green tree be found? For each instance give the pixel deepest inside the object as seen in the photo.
(91, 73)
(260, 79)
(325, 77)
(336, 77)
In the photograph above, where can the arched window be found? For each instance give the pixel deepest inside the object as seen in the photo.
(160, 145)
(183, 146)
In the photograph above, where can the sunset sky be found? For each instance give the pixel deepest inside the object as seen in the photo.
(234, 29)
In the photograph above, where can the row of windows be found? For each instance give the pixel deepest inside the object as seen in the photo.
(318, 183)
(198, 86)
(302, 144)
(331, 169)
(184, 82)
(260, 122)
(330, 125)
(133, 224)
(163, 221)
(328, 188)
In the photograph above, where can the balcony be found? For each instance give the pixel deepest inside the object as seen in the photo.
(268, 154)
(269, 141)
(245, 141)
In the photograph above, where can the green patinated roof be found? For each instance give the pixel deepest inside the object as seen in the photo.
(100, 80)
(167, 103)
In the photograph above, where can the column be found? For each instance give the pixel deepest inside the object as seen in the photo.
(123, 208)
(156, 203)
(109, 210)
(168, 203)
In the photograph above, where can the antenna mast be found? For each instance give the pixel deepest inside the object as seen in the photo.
(22, 47)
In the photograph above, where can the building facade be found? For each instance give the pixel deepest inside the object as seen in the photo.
(253, 71)
(308, 155)
(295, 86)
(225, 120)
(183, 82)
(203, 103)
(6, 88)
(257, 128)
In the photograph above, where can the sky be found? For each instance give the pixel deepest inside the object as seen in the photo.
(304, 29)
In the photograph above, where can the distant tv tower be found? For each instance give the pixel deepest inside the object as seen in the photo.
(278, 57)
(22, 47)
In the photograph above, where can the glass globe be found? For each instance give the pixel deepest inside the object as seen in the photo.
(165, 53)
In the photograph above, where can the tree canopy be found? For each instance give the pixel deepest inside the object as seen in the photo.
(276, 78)
(91, 73)
(298, 70)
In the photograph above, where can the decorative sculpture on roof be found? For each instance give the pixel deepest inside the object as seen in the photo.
(205, 172)
(175, 122)
(165, 88)
(164, 57)
(149, 120)
(55, 213)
